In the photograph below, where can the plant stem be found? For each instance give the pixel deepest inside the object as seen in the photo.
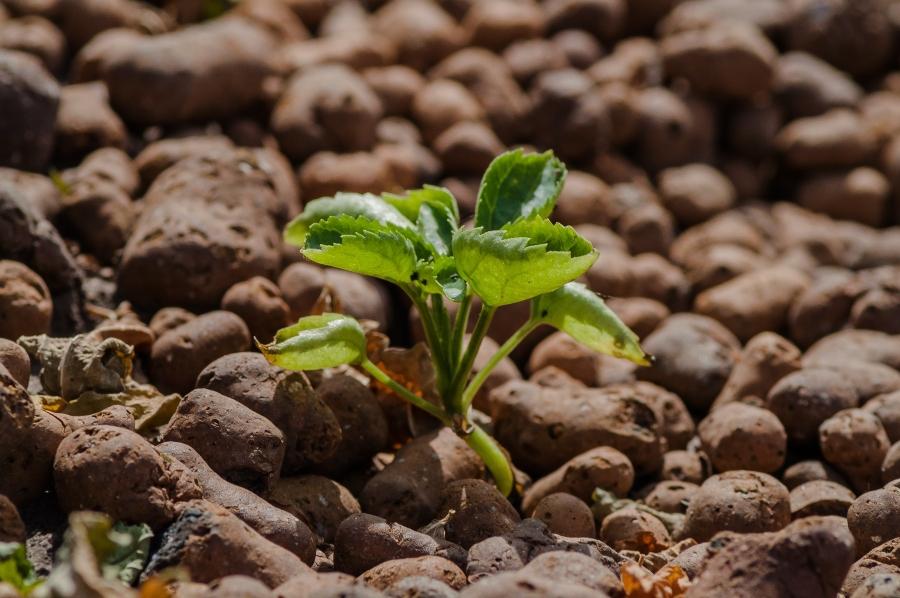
(443, 372)
(493, 456)
(459, 329)
(504, 350)
(405, 393)
(465, 366)
(442, 328)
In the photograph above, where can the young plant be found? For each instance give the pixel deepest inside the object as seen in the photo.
(513, 253)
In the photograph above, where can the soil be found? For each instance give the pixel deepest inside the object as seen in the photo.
(736, 164)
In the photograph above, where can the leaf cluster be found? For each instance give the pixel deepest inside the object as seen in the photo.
(511, 253)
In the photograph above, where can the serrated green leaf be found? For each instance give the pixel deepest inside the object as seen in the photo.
(522, 260)
(518, 185)
(364, 246)
(439, 276)
(410, 203)
(365, 205)
(583, 315)
(317, 342)
(436, 226)
(16, 569)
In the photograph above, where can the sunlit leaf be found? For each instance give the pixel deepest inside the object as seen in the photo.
(436, 226)
(363, 246)
(583, 315)
(317, 342)
(523, 260)
(518, 185)
(366, 205)
(410, 203)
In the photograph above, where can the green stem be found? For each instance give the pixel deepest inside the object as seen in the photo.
(465, 366)
(442, 366)
(494, 458)
(504, 350)
(459, 329)
(416, 400)
(442, 321)
(442, 332)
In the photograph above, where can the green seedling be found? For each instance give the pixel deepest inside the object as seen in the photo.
(513, 253)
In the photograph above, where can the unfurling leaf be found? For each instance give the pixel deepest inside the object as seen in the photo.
(16, 569)
(317, 342)
(583, 315)
(365, 205)
(518, 185)
(411, 204)
(523, 260)
(363, 246)
(440, 277)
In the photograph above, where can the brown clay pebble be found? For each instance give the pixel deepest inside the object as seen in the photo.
(887, 408)
(809, 471)
(180, 354)
(238, 585)
(312, 432)
(890, 467)
(879, 561)
(764, 360)
(631, 529)
(685, 466)
(738, 501)
(475, 510)
(806, 398)
(147, 488)
(272, 523)
(670, 496)
(364, 541)
(514, 550)
(409, 490)
(575, 568)
(694, 357)
(25, 302)
(754, 302)
(820, 497)
(210, 542)
(12, 529)
(321, 503)
(739, 436)
(240, 445)
(854, 441)
(363, 425)
(542, 427)
(874, 518)
(566, 515)
(168, 318)
(602, 467)
(29, 102)
(382, 576)
(526, 585)
(15, 360)
(258, 302)
(812, 548)
(695, 193)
